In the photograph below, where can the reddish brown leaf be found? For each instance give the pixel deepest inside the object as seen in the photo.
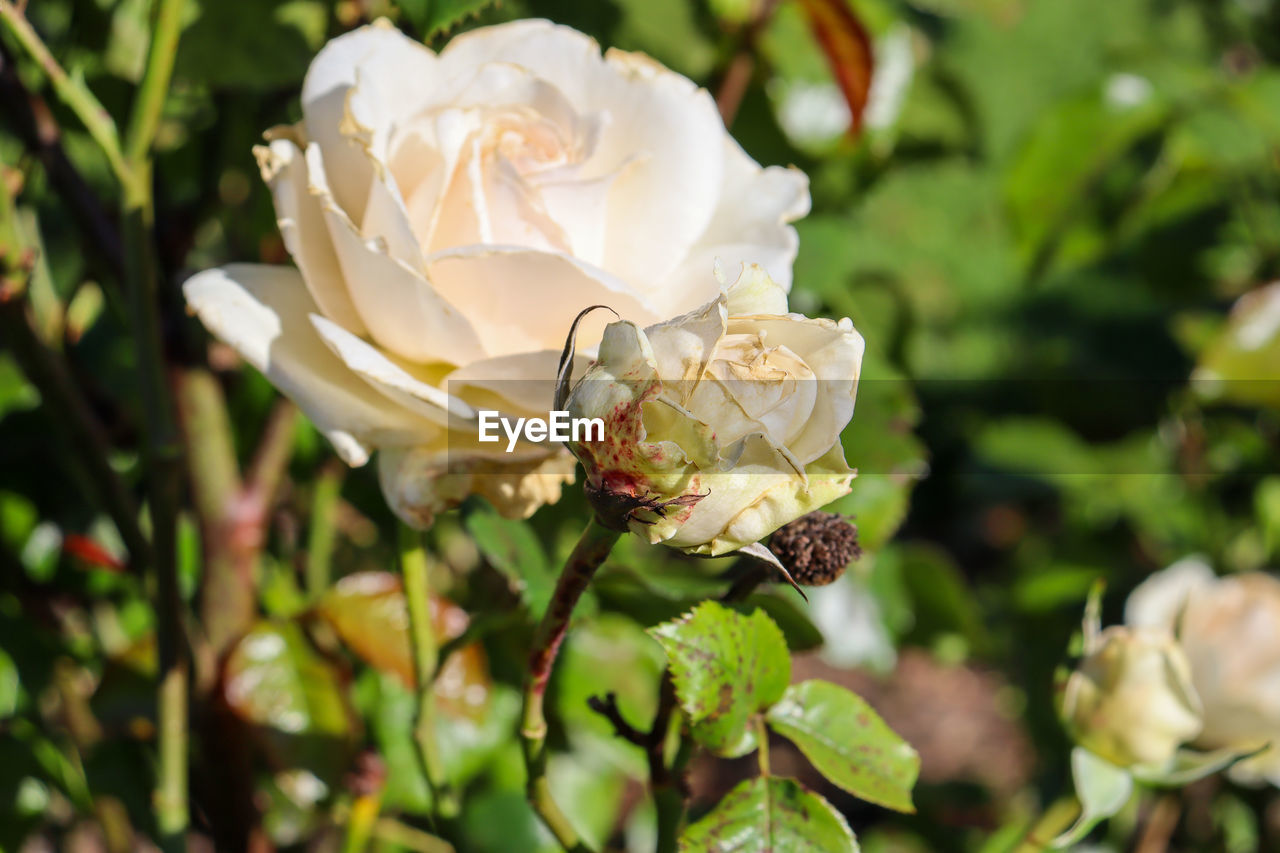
(847, 47)
(84, 548)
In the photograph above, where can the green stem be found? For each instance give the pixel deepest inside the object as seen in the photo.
(671, 799)
(1053, 822)
(323, 530)
(145, 118)
(398, 834)
(413, 562)
(73, 93)
(666, 782)
(163, 448)
(762, 747)
(591, 550)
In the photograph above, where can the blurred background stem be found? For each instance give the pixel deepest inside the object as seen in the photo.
(324, 527)
(163, 441)
(46, 369)
(72, 92)
(417, 592)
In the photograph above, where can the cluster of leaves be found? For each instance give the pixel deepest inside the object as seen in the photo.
(732, 676)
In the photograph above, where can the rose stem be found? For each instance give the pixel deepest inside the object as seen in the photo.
(1053, 822)
(163, 439)
(413, 563)
(163, 455)
(70, 90)
(594, 545)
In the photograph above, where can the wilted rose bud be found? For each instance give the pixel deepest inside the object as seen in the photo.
(1130, 701)
(816, 548)
(721, 425)
(1230, 629)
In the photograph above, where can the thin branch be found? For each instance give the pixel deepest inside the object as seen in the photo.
(737, 77)
(1161, 822)
(226, 585)
(34, 123)
(607, 707)
(270, 460)
(71, 92)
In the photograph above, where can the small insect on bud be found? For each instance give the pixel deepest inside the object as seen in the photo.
(816, 548)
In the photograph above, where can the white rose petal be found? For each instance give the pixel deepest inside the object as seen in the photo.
(451, 214)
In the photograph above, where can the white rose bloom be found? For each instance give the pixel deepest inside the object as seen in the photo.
(1230, 629)
(723, 424)
(449, 215)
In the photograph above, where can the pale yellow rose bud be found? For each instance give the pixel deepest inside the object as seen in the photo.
(1130, 701)
(721, 425)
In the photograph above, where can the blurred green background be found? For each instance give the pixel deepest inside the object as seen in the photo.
(1040, 231)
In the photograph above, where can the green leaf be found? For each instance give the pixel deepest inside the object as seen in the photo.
(1102, 789)
(237, 44)
(513, 548)
(432, 17)
(467, 746)
(848, 742)
(293, 697)
(726, 667)
(768, 814)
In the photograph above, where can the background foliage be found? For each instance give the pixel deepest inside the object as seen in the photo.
(1040, 230)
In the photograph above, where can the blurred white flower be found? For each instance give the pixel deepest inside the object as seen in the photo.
(1229, 628)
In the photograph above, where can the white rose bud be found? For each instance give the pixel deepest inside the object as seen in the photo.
(1130, 701)
(450, 213)
(1230, 629)
(721, 425)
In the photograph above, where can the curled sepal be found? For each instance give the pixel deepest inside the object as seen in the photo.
(758, 551)
(1102, 789)
(564, 371)
(1190, 765)
(1092, 624)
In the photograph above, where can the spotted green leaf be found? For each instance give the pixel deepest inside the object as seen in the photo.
(726, 666)
(770, 814)
(848, 742)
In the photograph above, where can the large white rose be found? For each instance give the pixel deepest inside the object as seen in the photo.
(720, 425)
(1230, 629)
(450, 214)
